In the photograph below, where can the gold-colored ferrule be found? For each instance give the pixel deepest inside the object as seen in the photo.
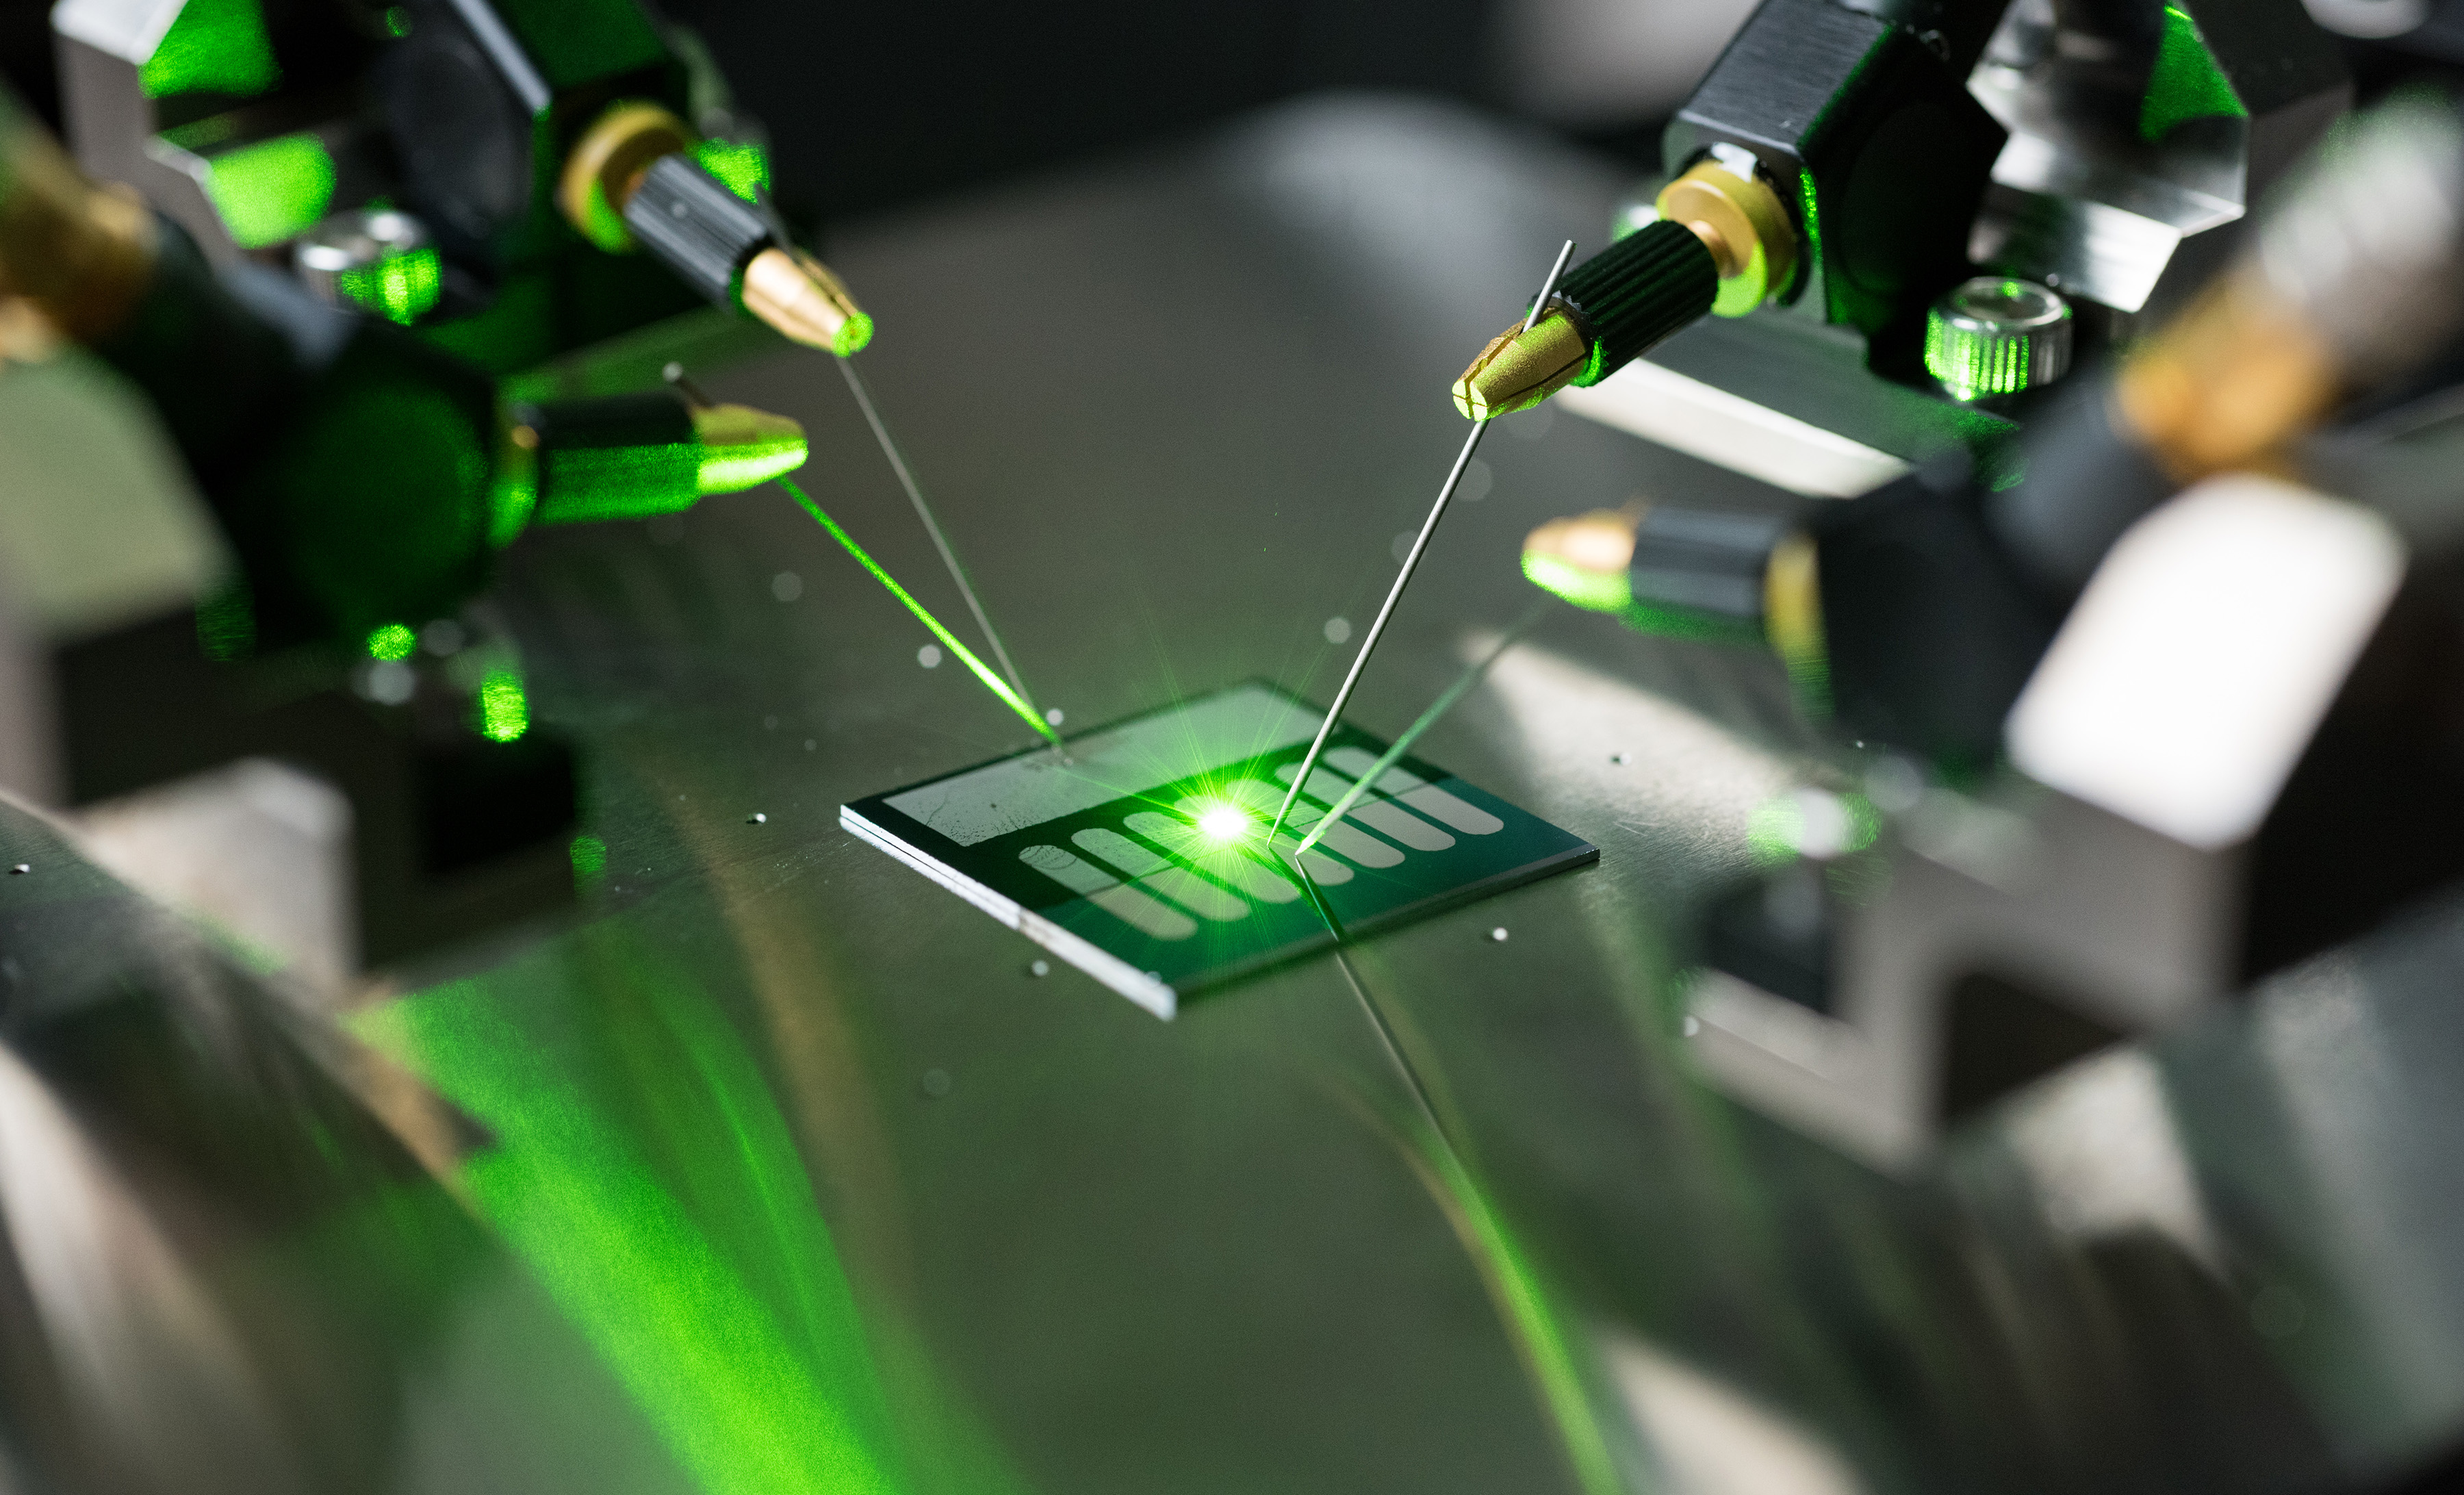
(1521, 367)
(2234, 378)
(74, 256)
(607, 164)
(741, 446)
(798, 296)
(1740, 220)
(1793, 618)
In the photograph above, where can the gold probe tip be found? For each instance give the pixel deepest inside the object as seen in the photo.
(797, 294)
(1521, 367)
(743, 447)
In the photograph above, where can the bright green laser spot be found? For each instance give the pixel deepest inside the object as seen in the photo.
(270, 191)
(741, 166)
(1224, 823)
(400, 288)
(966, 656)
(393, 641)
(733, 469)
(854, 337)
(504, 709)
(215, 46)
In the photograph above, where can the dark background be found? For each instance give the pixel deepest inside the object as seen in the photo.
(874, 105)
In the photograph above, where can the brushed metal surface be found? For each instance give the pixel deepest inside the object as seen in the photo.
(1456, 1213)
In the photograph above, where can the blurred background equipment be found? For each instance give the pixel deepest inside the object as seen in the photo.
(1999, 460)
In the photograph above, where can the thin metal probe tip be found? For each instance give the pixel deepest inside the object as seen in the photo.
(1403, 577)
(1446, 702)
(1548, 287)
(949, 554)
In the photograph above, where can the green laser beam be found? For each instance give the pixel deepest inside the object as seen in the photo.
(1412, 733)
(992, 682)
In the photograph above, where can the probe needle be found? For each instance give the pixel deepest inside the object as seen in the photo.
(1411, 563)
(932, 526)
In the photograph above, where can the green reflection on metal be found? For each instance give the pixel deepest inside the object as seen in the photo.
(741, 465)
(1519, 1292)
(966, 656)
(589, 860)
(1809, 207)
(272, 190)
(2187, 82)
(741, 166)
(397, 21)
(593, 484)
(1599, 591)
(1775, 830)
(1975, 365)
(392, 641)
(401, 288)
(754, 1396)
(227, 623)
(513, 497)
(504, 709)
(215, 46)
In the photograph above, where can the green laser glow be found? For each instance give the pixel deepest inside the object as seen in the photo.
(594, 484)
(393, 641)
(1517, 1291)
(400, 288)
(1412, 733)
(504, 709)
(215, 46)
(852, 337)
(716, 1296)
(2186, 83)
(589, 860)
(1225, 823)
(270, 191)
(967, 656)
(741, 166)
